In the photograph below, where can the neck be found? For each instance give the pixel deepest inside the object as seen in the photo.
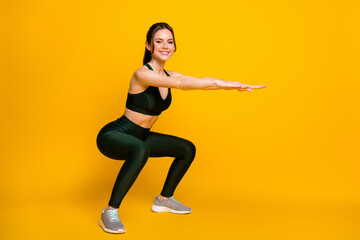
(157, 66)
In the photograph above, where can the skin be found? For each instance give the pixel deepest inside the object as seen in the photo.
(144, 77)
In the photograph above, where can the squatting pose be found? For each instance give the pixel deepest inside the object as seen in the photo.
(129, 137)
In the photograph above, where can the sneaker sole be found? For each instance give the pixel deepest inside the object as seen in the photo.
(159, 209)
(109, 230)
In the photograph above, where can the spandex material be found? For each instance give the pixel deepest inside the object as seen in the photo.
(149, 101)
(122, 139)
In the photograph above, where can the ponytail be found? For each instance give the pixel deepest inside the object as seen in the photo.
(147, 56)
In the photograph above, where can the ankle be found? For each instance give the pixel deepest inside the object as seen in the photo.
(109, 207)
(162, 197)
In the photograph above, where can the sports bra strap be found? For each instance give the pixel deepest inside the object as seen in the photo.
(146, 64)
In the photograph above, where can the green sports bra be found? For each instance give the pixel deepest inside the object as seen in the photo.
(149, 101)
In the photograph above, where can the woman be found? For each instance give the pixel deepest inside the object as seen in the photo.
(129, 137)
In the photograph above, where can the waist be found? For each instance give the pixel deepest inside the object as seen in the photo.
(124, 120)
(127, 126)
(141, 119)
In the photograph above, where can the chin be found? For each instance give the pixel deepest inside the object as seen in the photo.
(165, 59)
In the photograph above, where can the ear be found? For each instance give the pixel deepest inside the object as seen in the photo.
(147, 45)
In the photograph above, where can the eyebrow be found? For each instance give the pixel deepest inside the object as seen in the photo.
(162, 39)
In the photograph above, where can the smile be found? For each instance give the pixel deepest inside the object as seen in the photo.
(164, 53)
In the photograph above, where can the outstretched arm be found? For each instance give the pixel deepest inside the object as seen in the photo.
(182, 82)
(219, 84)
(176, 80)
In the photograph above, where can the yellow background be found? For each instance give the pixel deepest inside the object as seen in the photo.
(276, 163)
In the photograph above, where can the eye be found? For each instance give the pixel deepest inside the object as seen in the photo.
(158, 41)
(171, 42)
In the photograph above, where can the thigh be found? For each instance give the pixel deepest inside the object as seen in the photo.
(161, 145)
(118, 145)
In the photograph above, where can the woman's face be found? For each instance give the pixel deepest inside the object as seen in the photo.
(163, 45)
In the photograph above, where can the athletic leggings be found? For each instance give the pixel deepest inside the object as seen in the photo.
(122, 139)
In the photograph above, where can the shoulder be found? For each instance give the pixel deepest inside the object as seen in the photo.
(141, 72)
(141, 69)
(174, 74)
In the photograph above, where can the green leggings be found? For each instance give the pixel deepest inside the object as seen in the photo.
(122, 139)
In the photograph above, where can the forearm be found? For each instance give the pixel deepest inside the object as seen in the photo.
(192, 83)
(212, 87)
(223, 84)
(207, 83)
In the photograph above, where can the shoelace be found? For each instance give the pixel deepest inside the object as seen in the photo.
(114, 214)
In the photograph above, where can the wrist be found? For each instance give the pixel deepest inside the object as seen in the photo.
(217, 83)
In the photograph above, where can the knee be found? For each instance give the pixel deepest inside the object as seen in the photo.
(190, 150)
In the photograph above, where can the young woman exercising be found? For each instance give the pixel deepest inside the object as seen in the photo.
(129, 137)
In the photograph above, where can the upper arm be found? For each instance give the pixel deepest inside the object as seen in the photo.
(150, 78)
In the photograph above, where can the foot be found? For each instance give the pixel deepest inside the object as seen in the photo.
(169, 205)
(110, 221)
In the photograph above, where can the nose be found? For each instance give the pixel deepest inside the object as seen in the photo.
(165, 45)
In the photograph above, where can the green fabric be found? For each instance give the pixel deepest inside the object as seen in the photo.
(124, 140)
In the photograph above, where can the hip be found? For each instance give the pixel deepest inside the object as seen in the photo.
(125, 125)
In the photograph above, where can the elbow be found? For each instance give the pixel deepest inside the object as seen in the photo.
(181, 83)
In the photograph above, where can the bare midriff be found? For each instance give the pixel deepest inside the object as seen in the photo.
(143, 120)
